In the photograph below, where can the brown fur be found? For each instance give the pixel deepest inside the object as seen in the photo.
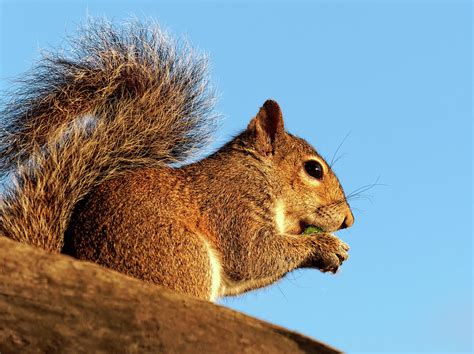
(224, 225)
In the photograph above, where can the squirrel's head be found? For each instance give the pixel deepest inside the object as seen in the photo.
(308, 191)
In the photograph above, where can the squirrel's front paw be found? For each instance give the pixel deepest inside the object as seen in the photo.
(329, 253)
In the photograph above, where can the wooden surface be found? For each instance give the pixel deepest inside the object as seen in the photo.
(56, 304)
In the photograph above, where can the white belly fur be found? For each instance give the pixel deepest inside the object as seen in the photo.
(216, 272)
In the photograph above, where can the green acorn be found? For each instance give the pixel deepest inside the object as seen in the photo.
(311, 229)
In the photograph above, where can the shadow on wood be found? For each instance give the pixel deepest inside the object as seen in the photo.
(53, 303)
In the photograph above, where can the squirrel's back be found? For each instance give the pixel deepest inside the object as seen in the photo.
(123, 98)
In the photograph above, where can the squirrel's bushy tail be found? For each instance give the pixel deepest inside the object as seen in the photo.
(123, 98)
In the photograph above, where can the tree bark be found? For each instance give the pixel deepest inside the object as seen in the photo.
(56, 304)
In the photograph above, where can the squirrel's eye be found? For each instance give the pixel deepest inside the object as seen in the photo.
(314, 169)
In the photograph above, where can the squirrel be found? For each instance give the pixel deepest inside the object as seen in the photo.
(98, 145)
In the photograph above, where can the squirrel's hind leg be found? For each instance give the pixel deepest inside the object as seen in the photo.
(184, 262)
(163, 253)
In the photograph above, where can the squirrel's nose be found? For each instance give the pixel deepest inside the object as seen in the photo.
(348, 220)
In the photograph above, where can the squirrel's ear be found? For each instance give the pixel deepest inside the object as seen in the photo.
(267, 126)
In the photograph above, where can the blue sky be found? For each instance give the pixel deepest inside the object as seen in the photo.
(394, 75)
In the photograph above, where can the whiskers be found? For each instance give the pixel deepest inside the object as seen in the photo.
(361, 192)
(336, 158)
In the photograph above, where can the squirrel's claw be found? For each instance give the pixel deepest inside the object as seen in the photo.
(330, 253)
